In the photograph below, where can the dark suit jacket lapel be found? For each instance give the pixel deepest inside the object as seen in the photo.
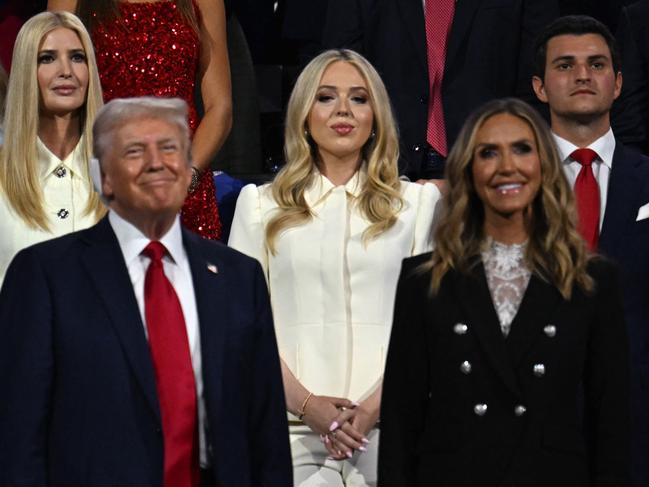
(414, 19)
(463, 18)
(210, 277)
(104, 263)
(475, 298)
(534, 313)
(620, 200)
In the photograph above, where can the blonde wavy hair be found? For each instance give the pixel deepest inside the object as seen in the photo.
(19, 169)
(555, 250)
(380, 198)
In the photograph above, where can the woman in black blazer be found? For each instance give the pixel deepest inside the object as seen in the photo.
(507, 363)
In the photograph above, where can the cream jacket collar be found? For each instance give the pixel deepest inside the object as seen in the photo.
(321, 186)
(48, 162)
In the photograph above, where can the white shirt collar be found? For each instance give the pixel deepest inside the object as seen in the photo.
(132, 241)
(321, 186)
(604, 146)
(48, 161)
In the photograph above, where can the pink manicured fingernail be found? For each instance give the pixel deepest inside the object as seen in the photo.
(326, 439)
(362, 448)
(356, 404)
(334, 426)
(349, 454)
(365, 440)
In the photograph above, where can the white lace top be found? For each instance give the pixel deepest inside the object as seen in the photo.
(507, 277)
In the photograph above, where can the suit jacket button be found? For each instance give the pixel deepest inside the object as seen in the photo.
(480, 409)
(520, 410)
(550, 330)
(466, 367)
(539, 370)
(423, 99)
(460, 329)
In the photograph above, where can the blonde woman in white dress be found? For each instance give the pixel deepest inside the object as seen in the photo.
(52, 98)
(331, 232)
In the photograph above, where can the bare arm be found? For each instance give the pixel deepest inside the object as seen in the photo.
(214, 75)
(57, 5)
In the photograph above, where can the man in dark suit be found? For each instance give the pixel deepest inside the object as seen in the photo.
(487, 56)
(135, 353)
(577, 74)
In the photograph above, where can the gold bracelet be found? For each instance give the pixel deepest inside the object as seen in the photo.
(301, 412)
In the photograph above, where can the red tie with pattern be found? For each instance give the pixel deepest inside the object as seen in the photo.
(173, 373)
(439, 17)
(587, 195)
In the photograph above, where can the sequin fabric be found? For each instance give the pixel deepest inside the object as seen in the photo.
(151, 51)
(507, 277)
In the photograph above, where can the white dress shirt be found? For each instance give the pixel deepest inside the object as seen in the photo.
(604, 147)
(332, 293)
(176, 267)
(66, 191)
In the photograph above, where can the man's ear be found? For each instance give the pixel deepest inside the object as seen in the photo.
(539, 89)
(618, 84)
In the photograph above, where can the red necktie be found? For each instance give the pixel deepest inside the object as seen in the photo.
(173, 372)
(439, 17)
(587, 195)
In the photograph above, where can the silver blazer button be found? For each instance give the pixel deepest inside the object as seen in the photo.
(465, 367)
(480, 409)
(520, 410)
(550, 330)
(460, 329)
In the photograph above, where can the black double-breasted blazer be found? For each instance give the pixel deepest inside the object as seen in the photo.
(465, 406)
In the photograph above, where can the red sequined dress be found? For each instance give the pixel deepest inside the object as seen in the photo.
(152, 51)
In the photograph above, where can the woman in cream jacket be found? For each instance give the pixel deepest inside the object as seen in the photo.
(331, 232)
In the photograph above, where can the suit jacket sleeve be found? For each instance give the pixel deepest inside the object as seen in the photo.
(405, 383)
(606, 385)
(630, 114)
(26, 373)
(247, 232)
(271, 457)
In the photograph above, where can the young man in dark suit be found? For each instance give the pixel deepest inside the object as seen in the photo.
(577, 73)
(487, 51)
(135, 353)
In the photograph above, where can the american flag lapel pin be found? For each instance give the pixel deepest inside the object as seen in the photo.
(212, 268)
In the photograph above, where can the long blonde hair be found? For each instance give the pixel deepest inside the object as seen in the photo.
(555, 251)
(19, 170)
(380, 200)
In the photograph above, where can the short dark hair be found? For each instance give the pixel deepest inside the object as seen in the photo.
(572, 25)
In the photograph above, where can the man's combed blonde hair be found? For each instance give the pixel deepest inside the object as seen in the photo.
(380, 198)
(19, 168)
(555, 251)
